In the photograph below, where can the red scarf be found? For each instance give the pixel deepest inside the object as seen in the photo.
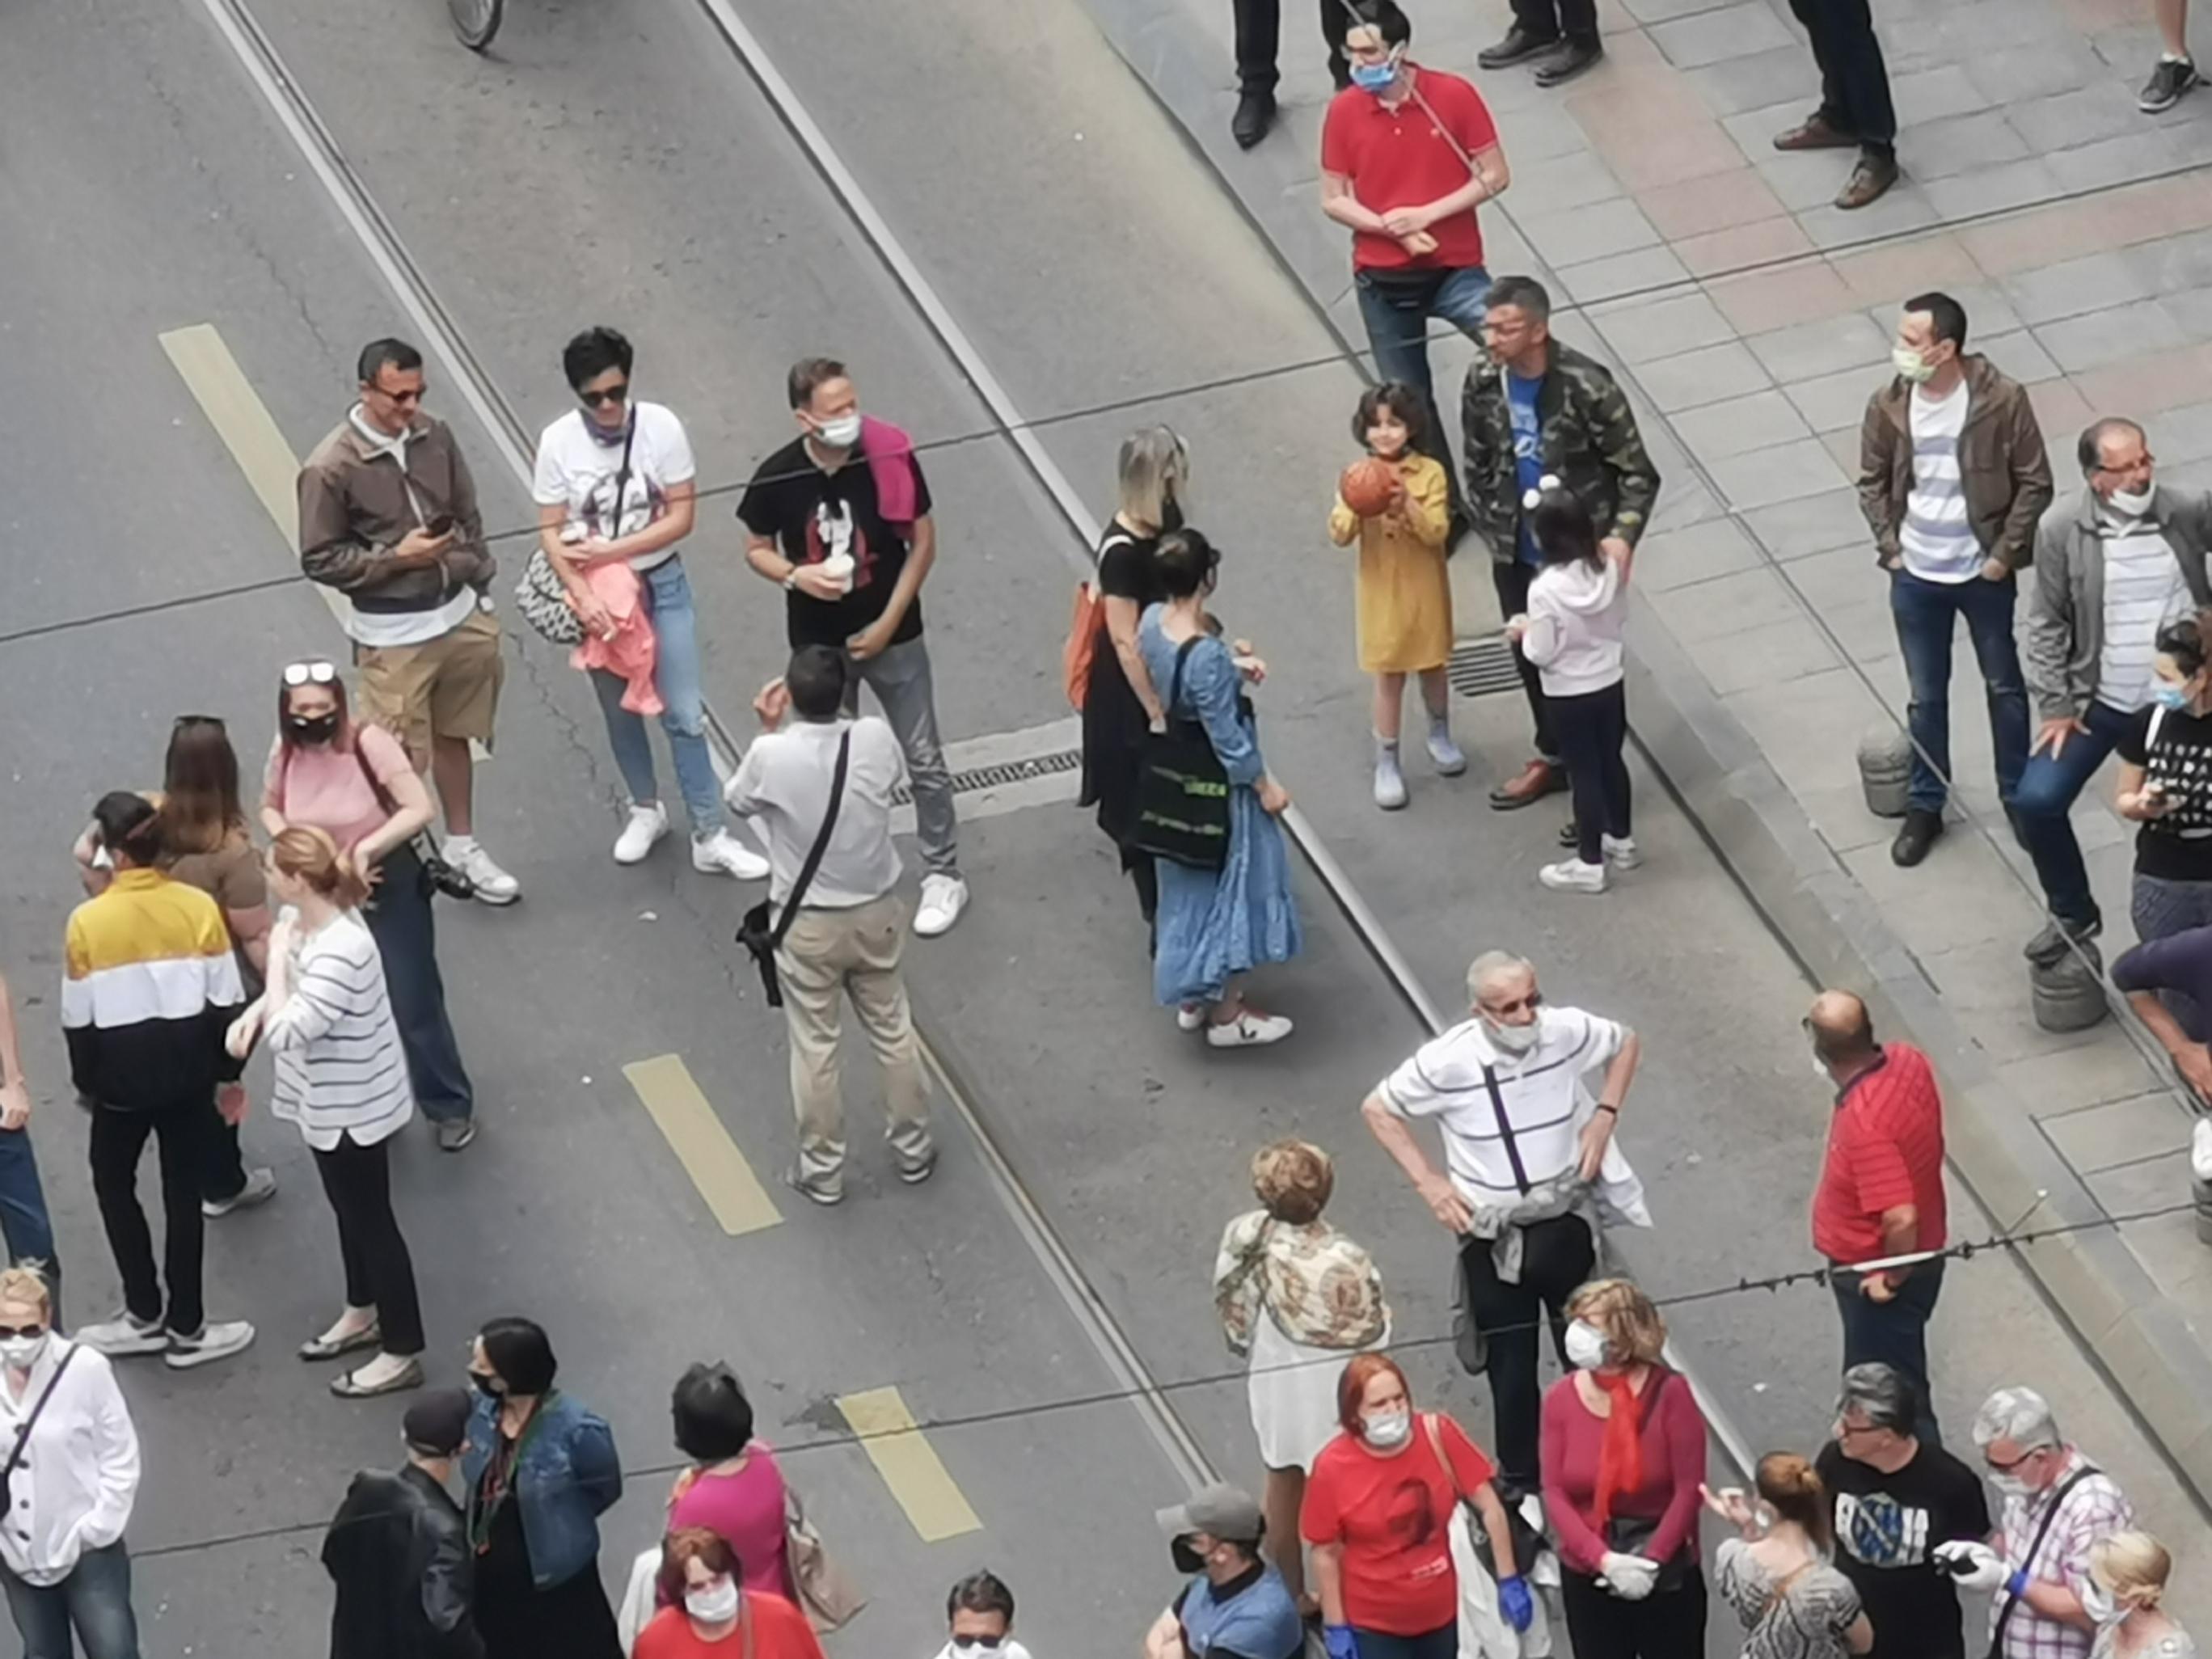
(1620, 1454)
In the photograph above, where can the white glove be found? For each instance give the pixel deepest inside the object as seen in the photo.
(2200, 1151)
(1629, 1576)
(1986, 1572)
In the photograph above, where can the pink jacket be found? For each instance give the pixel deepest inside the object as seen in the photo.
(633, 651)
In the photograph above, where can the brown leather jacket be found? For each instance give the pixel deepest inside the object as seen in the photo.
(354, 506)
(2001, 459)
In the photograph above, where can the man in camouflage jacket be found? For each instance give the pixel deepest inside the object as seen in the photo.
(1575, 425)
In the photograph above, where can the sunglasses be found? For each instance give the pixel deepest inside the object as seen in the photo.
(966, 1642)
(606, 395)
(309, 673)
(9, 1331)
(183, 720)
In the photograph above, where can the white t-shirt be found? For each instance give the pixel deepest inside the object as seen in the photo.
(1546, 1100)
(2144, 589)
(577, 471)
(1936, 541)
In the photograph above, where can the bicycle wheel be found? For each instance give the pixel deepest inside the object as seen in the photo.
(477, 20)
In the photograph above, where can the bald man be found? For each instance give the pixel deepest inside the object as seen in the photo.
(1881, 1190)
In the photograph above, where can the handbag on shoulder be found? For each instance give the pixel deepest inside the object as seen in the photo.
(825, 1593)
(542, 597)
(1182, 789)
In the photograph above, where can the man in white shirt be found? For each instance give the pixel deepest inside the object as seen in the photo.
(850, 929)
(1953, 477)
(2110, 572)
(1528, 1151)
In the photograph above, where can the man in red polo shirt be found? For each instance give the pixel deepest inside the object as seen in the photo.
(1881, 1190)
(1406, 153)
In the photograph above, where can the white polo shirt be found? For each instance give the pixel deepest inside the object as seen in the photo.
(1544, 1097)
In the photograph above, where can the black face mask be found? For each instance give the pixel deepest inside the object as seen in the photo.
(487, 1385)
(321, 729)
(1187, 1559)
(1171, 514)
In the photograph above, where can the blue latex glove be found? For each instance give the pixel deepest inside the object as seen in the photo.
(2016, 1586)
(1514, 1600)
(1340, 1641)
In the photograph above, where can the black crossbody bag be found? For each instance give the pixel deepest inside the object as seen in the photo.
(754, 932)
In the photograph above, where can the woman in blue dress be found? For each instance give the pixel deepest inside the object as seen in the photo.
(1216, 925)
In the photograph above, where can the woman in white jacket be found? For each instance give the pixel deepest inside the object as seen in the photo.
(1571, 632)
(71, 1457)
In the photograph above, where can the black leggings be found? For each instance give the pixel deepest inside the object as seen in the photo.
(1591, 729)
(378, 1272)
(117, 1140)
(1664, 1625)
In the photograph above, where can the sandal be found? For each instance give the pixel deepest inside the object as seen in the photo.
(409, 1376)
(320, 1347)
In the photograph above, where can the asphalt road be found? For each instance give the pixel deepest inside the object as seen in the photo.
(613, 162)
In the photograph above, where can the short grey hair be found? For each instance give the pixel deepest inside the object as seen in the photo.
(2019, 1415)
(1881, 1394)
(1491, 965)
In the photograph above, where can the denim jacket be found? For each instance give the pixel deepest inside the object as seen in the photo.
(569, 1476)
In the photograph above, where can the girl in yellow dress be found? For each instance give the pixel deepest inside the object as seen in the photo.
(1403, 596)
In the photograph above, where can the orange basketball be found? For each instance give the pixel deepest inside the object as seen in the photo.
(1368, 485)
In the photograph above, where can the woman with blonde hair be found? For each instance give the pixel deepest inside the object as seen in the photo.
(2128, 1572)
(1298, 1299)
(1623, 1448)
(342, 1076)
(1777, 1574)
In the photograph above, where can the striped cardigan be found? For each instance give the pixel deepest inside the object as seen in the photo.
(151, 987)
(340, 1070)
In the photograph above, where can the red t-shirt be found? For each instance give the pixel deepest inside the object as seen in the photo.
(1392, 1516)
(780, 1632)
(1885, 1148)
(1398, 158)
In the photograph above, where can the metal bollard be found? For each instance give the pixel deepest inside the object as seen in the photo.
(2069, 995)
(1885, 769)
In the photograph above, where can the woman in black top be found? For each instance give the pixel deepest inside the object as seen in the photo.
(2166, 786)
(1120, 703)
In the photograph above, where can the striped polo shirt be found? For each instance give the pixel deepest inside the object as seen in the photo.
(340, 1070)
(151, 988)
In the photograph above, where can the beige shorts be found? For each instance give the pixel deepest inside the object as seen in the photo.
(447, 687)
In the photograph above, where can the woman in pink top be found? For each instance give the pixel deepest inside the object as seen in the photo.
(1623, 1451)
(734, 1489)
(354, 783)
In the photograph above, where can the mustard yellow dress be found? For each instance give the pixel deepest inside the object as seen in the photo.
(1403, 596)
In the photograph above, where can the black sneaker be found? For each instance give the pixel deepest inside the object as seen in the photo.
(2059, 936)
(2169, 78)
(1255, 113)
(1923, 830)
(1569, 58)
(1518, 47)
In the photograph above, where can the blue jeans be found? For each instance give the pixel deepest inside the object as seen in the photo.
(1396, 306)
(95, 1598)
(23, 1221)
(668, 596)
(1927, 614)
(2048, 787)
(1442, 1643)
(401, 922)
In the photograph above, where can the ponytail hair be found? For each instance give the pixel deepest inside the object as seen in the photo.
(308, 854)
(1790, 1485)
(1561, 527)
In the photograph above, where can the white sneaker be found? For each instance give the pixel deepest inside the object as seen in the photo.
(1573, 875)
(214, 1342)
(260, 1187)
(647, 825)
(1622, 852)
(1189, 1015)
(943, 899)
(1248, 1030)
(723, 854)
(123, 1336)
(493, 884)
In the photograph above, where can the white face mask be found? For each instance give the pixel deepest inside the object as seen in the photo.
(2097, 1601)
(841, 433)
(1511, 1039)
(2011, 1485)
(2132, 503)
(1585, 1344)
(1391, 1429)
(22, 1351)
(1910, 365)
(713, 1604)
(1820, 1067)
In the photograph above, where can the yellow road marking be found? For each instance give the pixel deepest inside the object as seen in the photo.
(701, 1145)
(908, 1466)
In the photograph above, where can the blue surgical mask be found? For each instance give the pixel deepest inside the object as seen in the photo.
(2169, 696)
(1375, 77)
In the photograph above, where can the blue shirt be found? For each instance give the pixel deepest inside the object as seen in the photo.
(1252, 1616)
(1527, 448)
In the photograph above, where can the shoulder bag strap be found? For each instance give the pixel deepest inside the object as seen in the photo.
(622, 477)
(1436, 1433)
(1504, 1126)
(821, 843)
(2150, 732)
(1175, 680)
(2035, 1549)
(38, 1410)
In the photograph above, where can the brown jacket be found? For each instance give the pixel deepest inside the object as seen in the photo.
(2001, 460)
(354, 506)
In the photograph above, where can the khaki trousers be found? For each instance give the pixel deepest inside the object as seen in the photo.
(856, 951)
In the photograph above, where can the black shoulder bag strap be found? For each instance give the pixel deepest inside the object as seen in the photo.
(1175, 680)
(23, 1434)
(2042, 1531)
(1505, 1126)
(821, 843)
(622, 478)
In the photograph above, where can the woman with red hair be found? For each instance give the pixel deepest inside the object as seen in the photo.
(714, 1615)
(1378, 1510)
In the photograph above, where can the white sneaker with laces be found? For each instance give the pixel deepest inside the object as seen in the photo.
(214, 1342)
(260, 1187)
(1189, 1015)
(647, 825)
(122, 1335)
(943, 899)
(1622, 852)
(725, 853)
(1248, 1030)
(493, 884)
(1573, 875)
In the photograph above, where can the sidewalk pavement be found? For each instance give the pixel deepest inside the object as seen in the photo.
(1750, 319)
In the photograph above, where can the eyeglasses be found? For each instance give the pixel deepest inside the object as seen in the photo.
(412, 396)
(2006, 1468)
(309, 673)
(9, 1331)
(1533, 1001)
(606, 395)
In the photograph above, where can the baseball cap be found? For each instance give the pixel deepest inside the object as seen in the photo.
(437, 1422)
(1229, 1513)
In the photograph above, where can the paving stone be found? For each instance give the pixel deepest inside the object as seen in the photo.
(1886, 276)
(1963, 894)
(1863, 629)
(1843, 445)
(2025, 240)
(1742, 247)
(1781, 653)
(1560, 182)
(2088, 1074)
(1739, 426)
(2172, 263)
(1644, 270)
(2143, 385)
(2095, 282)
(2176, 1259)
(1708, 37)
(1677, 558)
(1905, 208)
(1838, 579)
(1802, 180)
(2180, 435)
(2132, 49)
(1964, 143)
(1815, 523)
(1759, 301)
(1832, 403)
(1815, 348)
(2065, 119)
(1644, 331)
(2060, 407)
(1658, 11)
(1801, 467)
(2019, 355)
(2121, 160)
(1756, 126)
(1540, 132)
(1704, 376)
(1694, 148)
(1685, 502)
(1989, 190)
(2018, 74)
(2154, 1183)
(1718, 201)
(2119, 1131)
(2102, 336)
(2191, 311)
(1737, 602)
(1761, 81)
(1582, 234)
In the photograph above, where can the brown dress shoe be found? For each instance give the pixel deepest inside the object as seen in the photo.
(1538, 779)
(1816, 133)
(1875, 173)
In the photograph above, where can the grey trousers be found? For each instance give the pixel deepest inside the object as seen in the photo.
(899, 675)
